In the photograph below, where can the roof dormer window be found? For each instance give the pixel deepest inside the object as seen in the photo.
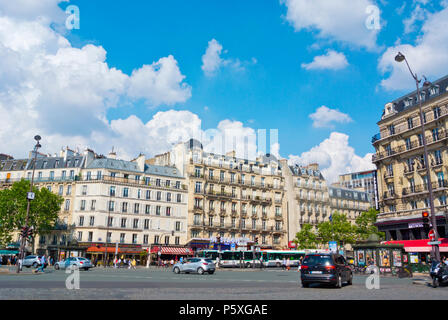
(434, 90)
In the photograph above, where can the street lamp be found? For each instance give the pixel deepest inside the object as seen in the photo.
(30, 196)
(435, 248)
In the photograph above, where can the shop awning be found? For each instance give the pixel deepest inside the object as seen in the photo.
(420, 245)
(8, 252)
(172, 250)
(112, 250)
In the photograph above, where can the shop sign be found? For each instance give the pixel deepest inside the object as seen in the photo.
(415, 225)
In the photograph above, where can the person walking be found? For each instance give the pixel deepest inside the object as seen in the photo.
(119, 263)
(288, 262)
(284, 264)
(42, 264)
(134, 264)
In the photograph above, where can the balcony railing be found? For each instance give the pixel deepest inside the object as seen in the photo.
(399, 129)
(432, 138)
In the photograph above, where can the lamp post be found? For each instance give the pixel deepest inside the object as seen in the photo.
(435, 248)
(29, 197)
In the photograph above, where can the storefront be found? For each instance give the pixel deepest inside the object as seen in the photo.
(387, 257)
(168, 252)
(97, 253)
(419, 252)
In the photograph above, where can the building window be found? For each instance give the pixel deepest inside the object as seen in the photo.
(159, 195)
(179, 197)
(83, 205)
(111, 205)
(168, 211)
(67, 205)
(168, 196)
(90, 236)
(110, 221)
(147, 209)
(112, 191)
(136, 208)
(79, 235)
(158, 210)
(123, 222)
(122, 237)
(146, 225)
(135, 225)
(148, 194)
(156, 239)
(177, 240)
(145, 239)
(125, 192)
(69, 190)
(81, 221)
(92, 221)
(124, 207)
(134, 238)
(92, 205)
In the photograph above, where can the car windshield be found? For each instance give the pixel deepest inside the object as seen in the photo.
(208, 260)
(317, 259)
(82, 259)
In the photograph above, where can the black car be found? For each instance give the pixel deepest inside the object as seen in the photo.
(327, 268)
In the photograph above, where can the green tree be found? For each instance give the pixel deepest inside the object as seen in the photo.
(43, 214)
(340, 230)
(306, 238)
(365, 225)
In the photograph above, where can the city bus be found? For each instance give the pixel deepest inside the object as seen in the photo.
(232, 259)
(245, 258)
(274, 258)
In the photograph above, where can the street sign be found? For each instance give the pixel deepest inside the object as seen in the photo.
(431, 235)
(30, 195)
(431, 243)
(333, 246)
(232, 246)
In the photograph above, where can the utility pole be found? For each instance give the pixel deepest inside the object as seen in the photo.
(30, 196)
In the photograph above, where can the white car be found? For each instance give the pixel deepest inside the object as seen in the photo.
(80, 262)
(31, 261)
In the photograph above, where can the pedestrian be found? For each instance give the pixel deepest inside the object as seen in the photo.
(42, 264)
(134, 263)
(181, 260)
(172, 262)
(119, 263)
(284, 264)
(288, 262)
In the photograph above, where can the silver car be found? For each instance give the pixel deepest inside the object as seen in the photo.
(199, 265)
(31, 261)
(80, 262)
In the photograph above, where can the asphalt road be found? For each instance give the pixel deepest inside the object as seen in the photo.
(225, 284)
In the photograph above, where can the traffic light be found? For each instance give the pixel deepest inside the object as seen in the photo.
(29, 233)
(425, 218)
(256, 240)
(24, 232)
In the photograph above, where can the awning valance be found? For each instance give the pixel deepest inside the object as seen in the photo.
(171, 250)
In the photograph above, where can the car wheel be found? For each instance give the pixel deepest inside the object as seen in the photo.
(339, 283)
(350, 280)
(305, 285)
(56, 267)
(278, 264)
(435, 282)
(176, 270)
(248, 265)
(211, 272)
(34, 265)
(200, 271)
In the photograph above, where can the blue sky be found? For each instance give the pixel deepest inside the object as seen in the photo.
(262, 79)
(276, 92)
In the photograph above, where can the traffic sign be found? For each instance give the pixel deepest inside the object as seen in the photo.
(431, 235)
(431, 243)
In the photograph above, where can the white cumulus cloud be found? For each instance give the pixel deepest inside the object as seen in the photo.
(428, 56)
(324, 117)
(332, 60)
(336, 20)
(335, 156)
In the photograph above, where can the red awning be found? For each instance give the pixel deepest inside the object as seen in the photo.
(112, 250)
(420, 245)
(172, 250)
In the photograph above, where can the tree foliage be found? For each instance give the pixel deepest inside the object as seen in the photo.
(306, 238)
(13, 204)
(365, 225)
(340, 230)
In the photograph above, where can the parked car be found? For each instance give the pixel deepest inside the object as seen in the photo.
(80, 262)
(328, 268)
(199, 265)
(32, 261)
